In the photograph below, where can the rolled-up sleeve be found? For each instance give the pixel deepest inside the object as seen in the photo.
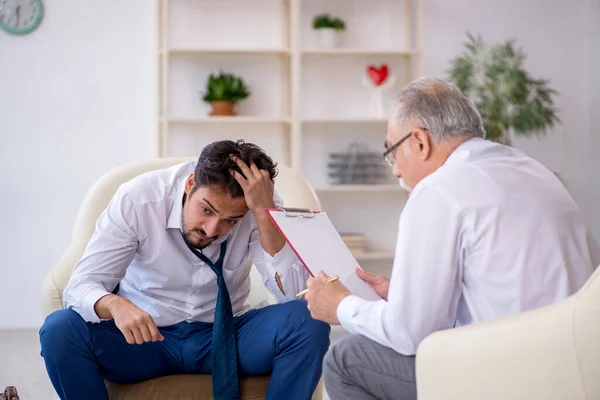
(425, 286)
(292, 273)
(106, 258)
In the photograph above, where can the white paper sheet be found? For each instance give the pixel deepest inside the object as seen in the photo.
(314, 238)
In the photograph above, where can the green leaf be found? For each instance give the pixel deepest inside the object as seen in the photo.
(327, 21)
(507, 97)
(225, 87)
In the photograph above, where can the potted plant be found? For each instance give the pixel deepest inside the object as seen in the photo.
(223, 91)
(509, 99)
(328, 30)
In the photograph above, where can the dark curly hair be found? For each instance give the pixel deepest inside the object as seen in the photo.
(214, 164)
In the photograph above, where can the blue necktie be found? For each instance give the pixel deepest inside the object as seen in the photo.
(225, 381)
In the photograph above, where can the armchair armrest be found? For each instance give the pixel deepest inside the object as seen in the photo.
(58, 277)
(528, 356)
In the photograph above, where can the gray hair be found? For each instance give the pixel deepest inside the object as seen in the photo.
(439, 107)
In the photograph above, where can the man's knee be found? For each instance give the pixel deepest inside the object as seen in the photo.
(336, 362)
(301, 321)
(59, 330)
(330, 367)
(337, 358)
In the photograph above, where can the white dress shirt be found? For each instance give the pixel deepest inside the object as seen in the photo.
(490, 233)
(138, 243)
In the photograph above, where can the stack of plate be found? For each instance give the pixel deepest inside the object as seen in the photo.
(358, 165)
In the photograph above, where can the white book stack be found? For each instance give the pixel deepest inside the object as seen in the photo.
(355, 242)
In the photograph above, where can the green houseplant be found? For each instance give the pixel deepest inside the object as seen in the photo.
(328, 30)
(508, 98)
(223, 91)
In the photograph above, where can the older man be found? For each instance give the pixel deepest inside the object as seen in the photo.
(486, 232)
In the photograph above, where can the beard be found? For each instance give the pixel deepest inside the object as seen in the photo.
(404, 186)
(192, 238)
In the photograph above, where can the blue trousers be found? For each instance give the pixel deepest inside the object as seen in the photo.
(282, 340)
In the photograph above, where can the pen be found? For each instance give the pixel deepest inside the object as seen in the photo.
(332, 279)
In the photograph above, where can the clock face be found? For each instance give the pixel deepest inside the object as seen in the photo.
(20, 16)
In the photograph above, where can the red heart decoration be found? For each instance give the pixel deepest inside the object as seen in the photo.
(378, 75)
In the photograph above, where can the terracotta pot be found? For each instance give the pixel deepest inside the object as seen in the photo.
(222, 108)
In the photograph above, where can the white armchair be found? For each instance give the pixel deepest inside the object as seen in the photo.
(295, 192)
(552, 353)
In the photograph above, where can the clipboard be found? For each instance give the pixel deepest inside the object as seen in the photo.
(318, 245)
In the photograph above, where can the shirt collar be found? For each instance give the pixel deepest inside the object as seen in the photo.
(174, 221)
(460, 153)
(464, 149)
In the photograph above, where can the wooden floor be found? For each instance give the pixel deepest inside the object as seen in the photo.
(22, 366)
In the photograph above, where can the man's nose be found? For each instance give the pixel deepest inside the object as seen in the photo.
(211, 227)
(396, 171)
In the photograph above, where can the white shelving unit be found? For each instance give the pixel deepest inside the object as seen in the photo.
(359, 52)
(375, 255)
(174, 52)
(231, 120)
(306, 102)
(358, 188)
(343, 120)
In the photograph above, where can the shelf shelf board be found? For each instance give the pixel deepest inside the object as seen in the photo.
(344, 120)
(286, 51)
(375, 255)
(360, 52)
(240, 51)
(360, 188)
(231, 120)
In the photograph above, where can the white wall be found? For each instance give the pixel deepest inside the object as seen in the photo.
(77, 97)
(592, 62)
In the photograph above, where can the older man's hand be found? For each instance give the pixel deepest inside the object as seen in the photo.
(324, 297)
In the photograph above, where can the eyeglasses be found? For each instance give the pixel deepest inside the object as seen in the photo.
(388, 156)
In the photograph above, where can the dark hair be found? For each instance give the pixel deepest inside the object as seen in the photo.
(214, 165)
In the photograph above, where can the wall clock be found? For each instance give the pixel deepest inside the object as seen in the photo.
(20, 17)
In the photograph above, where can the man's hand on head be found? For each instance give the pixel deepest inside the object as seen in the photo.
(258, 194)
(256, 184)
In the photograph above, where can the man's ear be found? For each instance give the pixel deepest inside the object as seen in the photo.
(424, 143)
(189, 183)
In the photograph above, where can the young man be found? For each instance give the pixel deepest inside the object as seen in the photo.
(162, 287)
(487, 232)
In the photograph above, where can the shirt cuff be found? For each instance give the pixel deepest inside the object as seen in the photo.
(347, 310)
(88, 302)
(284, 260)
